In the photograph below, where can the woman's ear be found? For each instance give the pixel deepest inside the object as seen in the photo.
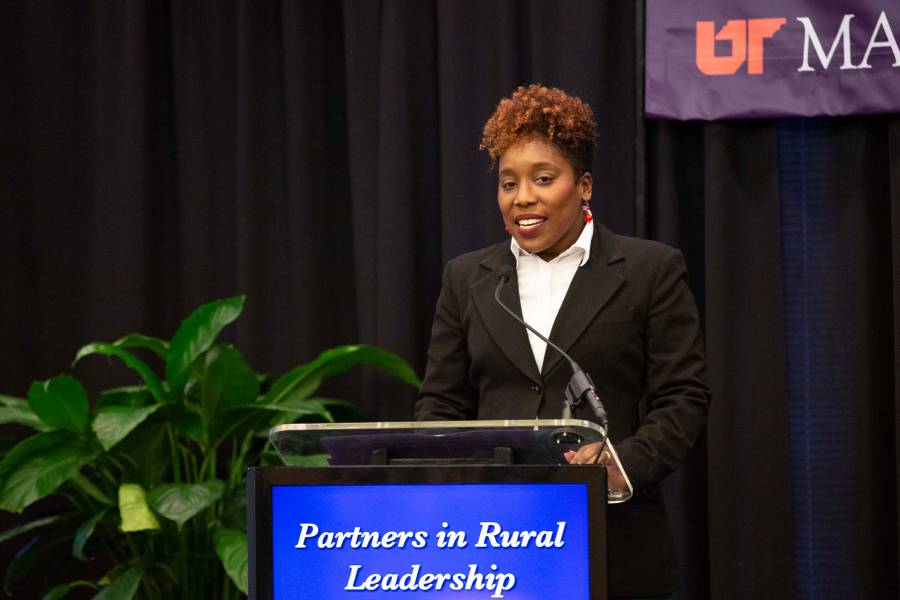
(587, 186)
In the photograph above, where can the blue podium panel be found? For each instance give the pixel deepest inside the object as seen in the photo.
(465, 539)
(431, 540)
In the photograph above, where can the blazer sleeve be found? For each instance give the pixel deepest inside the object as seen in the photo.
(446, 392)
(677, 395)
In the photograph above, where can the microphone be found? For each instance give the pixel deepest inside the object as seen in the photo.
(580, 388)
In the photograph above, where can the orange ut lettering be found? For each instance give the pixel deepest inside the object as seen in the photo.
(747, 37)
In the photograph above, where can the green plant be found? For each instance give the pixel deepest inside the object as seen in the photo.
(150, 478)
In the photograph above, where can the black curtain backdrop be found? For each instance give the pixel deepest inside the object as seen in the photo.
(322, 157)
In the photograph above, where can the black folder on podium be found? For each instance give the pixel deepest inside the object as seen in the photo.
(407, 477)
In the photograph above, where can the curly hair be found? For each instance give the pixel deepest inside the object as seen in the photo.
(565, 121)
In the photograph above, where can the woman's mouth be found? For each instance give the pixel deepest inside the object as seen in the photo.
(529, 226)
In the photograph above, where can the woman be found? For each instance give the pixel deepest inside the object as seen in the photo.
(620, 306)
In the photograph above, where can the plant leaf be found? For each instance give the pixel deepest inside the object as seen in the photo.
(15, 531)
(84, 532)
(6, 400)
(62, 590)
(133, 509)
(234, 509)
(90, 488)
(112, 574)
(16, 410)
(133, 362)
(157, 346)
(189, 424)
(234, 421)
(112, 423)
(124, 586)
(341, 410)
(304, 407)
(22, 416)
(145, 451)
(129, 395)
(60, 402)
(307, 460)
(227, 381)
(294, 408)
(302, 381)
(38, 465)
(196, 335)
(181, 501)
(231, 546)
(337, 402)
(30, 445)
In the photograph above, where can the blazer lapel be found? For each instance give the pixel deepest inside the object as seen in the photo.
(506, 332)
(591, 288)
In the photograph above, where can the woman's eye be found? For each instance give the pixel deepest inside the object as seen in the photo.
(508, 185)
(544, 179)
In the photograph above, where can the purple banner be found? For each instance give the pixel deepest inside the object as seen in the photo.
(715, 59)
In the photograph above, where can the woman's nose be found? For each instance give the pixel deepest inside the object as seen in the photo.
(525, 195)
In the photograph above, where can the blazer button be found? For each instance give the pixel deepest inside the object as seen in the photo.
(536, 388)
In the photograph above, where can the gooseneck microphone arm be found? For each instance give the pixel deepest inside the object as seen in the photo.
(580, 388)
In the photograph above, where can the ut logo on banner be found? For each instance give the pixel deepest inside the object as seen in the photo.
(746, 37)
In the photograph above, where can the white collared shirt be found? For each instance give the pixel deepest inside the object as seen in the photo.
(543, 285)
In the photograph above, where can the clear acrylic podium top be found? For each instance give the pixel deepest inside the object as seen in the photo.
(521, 442)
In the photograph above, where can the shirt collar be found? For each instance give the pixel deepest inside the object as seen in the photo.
(582, 244)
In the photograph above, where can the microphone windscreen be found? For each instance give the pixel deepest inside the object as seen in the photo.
(505, 273)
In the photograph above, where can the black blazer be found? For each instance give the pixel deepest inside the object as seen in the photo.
(629, 319)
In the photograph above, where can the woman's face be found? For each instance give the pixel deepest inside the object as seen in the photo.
(540, 197)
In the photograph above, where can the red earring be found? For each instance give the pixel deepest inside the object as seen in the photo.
(506, 229)
(586, 209)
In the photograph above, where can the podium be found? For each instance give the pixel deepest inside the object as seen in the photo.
(440, 509)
